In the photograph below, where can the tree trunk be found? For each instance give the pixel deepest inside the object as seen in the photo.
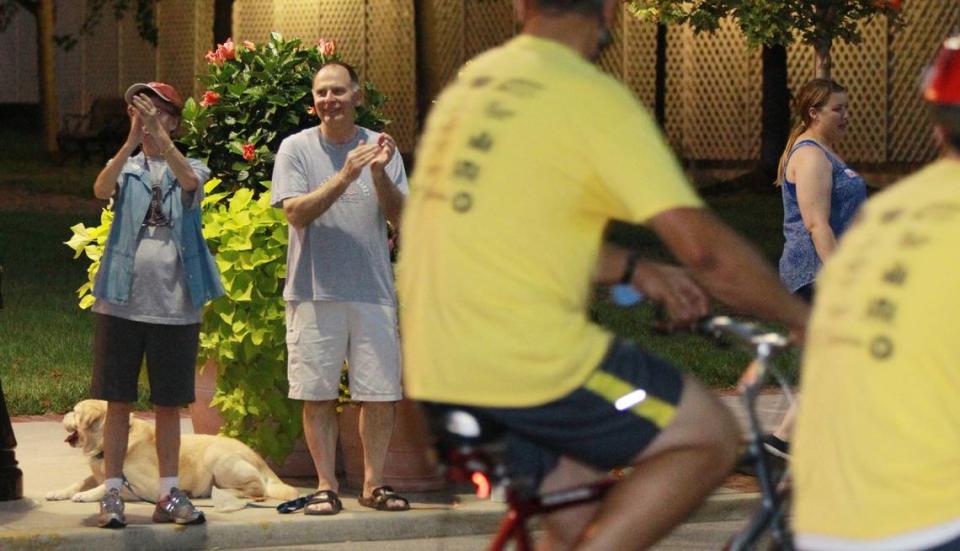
(775, 118)
(48, 79)
(660, 80)
(823, 64)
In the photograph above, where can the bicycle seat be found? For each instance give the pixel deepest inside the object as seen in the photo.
(467, 443)
(460, 426)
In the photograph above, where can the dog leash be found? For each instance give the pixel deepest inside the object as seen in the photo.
(129, 487)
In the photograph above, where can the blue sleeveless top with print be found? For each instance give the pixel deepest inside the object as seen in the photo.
(799, 263)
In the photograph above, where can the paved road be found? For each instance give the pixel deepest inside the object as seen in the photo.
(690, 537)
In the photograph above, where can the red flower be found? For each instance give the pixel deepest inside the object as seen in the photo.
(224, 52)
(214, 57)
(327, 47)
(893, 4)
(311, 111)
(210, 98)
(248, 152)
(228, 49)
(249, 45)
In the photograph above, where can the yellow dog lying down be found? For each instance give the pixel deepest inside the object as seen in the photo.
(205, 461)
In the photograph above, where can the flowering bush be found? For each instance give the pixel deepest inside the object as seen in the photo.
(256, 96)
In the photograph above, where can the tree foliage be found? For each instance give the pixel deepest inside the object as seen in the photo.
(773, 22)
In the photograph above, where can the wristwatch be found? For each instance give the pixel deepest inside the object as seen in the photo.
(632, 258)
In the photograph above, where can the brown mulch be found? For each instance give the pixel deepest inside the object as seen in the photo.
(56, 203)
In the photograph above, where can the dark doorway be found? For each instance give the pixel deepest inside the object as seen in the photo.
(222, 21)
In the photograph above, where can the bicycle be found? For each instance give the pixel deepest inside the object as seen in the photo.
(774, 488)
(471, 448)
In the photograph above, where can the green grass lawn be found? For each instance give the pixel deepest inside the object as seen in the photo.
(756, 215)
(45, 339)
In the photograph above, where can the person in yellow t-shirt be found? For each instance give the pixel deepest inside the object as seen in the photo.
(877, 442)
(525, 159)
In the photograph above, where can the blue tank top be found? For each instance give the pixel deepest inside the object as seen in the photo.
(799, 263)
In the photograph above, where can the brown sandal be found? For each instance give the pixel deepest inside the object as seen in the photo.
(323, 497)
(384, 498)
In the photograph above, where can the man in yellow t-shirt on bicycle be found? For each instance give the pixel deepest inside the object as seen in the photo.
(877, 442)
(525, 159)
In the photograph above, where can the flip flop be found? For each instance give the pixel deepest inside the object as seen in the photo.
(324, 497)
(381, 499)
(294, 505)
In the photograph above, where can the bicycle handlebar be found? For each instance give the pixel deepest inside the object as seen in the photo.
(744, 331)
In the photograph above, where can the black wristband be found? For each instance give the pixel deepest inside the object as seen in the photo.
(632, 258)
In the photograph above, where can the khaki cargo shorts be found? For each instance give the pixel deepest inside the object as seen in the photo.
(321, 335)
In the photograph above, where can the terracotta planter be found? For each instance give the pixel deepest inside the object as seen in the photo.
(410, 467)
(207, 420)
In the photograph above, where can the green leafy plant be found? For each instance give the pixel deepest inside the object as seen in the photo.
(256, 96)
(244, 331)
(90, 242)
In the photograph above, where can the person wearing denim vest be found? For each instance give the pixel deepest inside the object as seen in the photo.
(155, 275)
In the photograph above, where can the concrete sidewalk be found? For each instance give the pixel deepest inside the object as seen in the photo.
(49, 464)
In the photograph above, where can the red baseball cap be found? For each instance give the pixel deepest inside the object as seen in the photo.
(166, 92)
(942, 81)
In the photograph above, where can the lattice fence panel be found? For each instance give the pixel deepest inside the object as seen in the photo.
(716, 123)
(392, 51)
(800, 65)
(186, 34)
(253, 20)
(69, 64)
(202, 40)
(611, 60)
(441, 47)
(913, 47)
(486, 23)
(345, 21)
(677, 90)
(753, 104)
(862, 69)
(640, 59)
(138, 58)
(299, 19)
(101, 61)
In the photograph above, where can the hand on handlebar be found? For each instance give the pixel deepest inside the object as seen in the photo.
(685, 302)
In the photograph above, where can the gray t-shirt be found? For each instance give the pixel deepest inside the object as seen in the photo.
(158, 292)
(342, 255)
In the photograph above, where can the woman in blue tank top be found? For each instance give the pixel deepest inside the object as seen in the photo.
(821, 195)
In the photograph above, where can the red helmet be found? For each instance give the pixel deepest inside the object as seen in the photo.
(942, 82)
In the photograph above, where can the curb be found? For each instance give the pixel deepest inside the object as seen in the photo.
(259, 529)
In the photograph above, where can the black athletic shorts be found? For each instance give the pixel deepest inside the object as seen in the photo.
(119, 348)
(605, 423)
